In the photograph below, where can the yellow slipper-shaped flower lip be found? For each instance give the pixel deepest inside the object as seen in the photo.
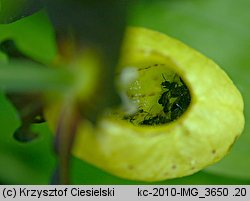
(200, 137)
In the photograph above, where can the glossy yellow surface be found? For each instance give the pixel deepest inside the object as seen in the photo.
(200, 137)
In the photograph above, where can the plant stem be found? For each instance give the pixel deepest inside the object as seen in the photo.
(65, 135)
(30, 77)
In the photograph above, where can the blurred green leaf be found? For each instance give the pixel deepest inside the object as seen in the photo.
(34, 36)
(3, 57)
(20, 163)
(12, 10)
(219, 29)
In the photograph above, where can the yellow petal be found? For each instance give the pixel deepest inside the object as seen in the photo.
(200, 137)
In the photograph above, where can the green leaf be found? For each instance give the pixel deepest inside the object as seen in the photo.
(20, 163)
(34, 36)
(3, 57)
(219, 29)
(12, 10)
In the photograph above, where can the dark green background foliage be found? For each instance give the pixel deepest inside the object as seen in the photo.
(217, 28)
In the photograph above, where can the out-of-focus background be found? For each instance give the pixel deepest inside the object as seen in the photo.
(217, 28)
